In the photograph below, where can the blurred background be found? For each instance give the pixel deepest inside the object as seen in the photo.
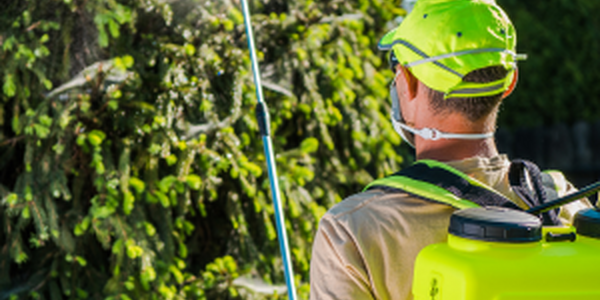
(553, 117)
(130, 161)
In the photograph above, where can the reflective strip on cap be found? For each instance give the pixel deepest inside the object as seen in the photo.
(472, 89)
(458, 53)
(417, 51)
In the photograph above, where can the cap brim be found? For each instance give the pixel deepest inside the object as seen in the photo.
(387, 41)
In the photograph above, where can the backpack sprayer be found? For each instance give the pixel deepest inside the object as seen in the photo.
(505, 254)
(262, 116)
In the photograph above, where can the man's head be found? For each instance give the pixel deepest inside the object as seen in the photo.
(441, 41)
(462, 51)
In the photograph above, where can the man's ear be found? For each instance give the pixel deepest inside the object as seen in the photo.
(512, 85)
(409, 83)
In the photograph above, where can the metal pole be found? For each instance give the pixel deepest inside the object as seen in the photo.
(262, 115)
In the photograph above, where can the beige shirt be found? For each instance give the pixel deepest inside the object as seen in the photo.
(366, 245)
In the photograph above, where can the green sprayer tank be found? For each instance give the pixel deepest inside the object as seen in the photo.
(503, 254)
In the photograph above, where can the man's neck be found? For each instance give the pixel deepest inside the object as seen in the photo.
(455, 149)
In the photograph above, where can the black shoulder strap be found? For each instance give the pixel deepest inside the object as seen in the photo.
(422, 178)
(540, 191)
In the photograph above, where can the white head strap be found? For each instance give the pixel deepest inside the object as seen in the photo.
(426, 133)
(434, 134)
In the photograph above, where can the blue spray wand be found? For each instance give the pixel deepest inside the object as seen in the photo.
(262, 116)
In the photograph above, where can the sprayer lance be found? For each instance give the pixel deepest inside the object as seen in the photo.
(582, 193)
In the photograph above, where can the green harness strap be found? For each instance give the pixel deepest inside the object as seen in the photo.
(422, 190)
(435, 181)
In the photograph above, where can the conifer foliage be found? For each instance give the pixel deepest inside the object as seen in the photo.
(130, 161)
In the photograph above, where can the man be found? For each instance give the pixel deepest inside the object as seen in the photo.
(454, 61)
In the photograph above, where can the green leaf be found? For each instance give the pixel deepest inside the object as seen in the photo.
(229, 264)
(116, 248)
(128, 61)
(179, 187)
(154, 149)
(183, 251)
(11, 199)
(137, 184)
(82, 227)
(9, 86)
(82, 262)
(194, 181)
(47, 84)
(190, 50)
(41, 131)
(309, 145)
(102, 37)
(25, 213)
(119, 64)
(21, 258)
(171, 159)
(253, 168)
(166, 183)
(58, 149)
(235, 15)
(95, 137)
(81, 139)
(150, 230)
(209, 279)
(113, 104)
(85, 223)
(45, 120)
(128, 202)
(28, 194)
(150, 198)
(15, 124)
(8, 44)
(82, 294)
(122, 14)
(102, 212)
(228, 25)
(148, 274)
(77, 231)
(188, 227)
(180, 263)
(100, 168)
(116, 94)
(164, 200)
(176, 273)
(134, 251)
(113, 27)
(232, 291)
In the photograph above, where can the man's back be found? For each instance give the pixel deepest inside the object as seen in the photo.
(367, 244)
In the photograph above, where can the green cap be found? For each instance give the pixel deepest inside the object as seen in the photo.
(441, 41)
